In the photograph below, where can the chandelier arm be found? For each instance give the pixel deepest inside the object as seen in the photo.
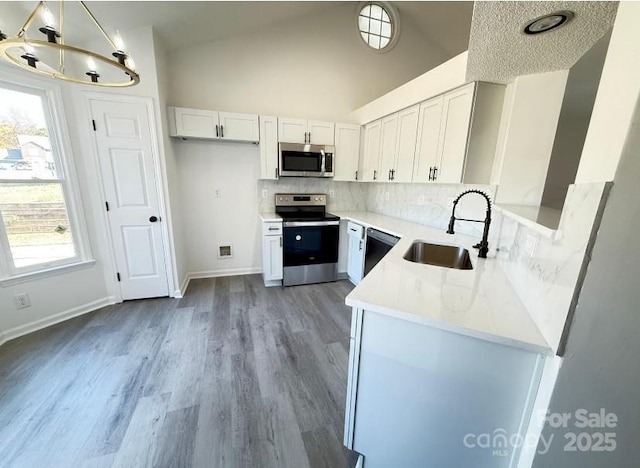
(30, 19)
(98, 25)
(61, 65)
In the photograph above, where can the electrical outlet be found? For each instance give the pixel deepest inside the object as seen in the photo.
(218, 193)
(421, 200)
(22, 301)
(386, 196)
(265, 193)
(530, 245)
(332, 193)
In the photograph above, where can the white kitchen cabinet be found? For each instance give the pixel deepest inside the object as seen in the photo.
(371, 151)
(347, 143)
(272, 261)
(406, 144)
(454, 134)
(305, 131)
(388, 140)
(420, 390)
(268, 147)
(427, 145)
(213, 125)
(355, 259)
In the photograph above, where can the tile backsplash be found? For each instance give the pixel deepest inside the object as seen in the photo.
(347, 196)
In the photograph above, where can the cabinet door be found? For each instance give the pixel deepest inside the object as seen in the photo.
(389, 135)
(427, 146)
(355, 260)
(371, 153)
(196, 123)
(454, 133)
(406, 144)
(321, 133)
(272, 258)
(239, 127)
(268, 147)
(292, 130)
(347, 152)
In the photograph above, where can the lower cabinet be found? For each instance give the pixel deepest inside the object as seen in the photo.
(272, 253)
(420, 396)
(355, 258)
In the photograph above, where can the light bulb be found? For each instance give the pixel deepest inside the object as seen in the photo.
(117, 40)
(28, 49)
(91, 64)
(47, 17)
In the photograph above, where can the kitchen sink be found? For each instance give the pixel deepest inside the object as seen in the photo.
(439, 255)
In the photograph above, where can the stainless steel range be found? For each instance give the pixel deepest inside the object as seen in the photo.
(310, 245)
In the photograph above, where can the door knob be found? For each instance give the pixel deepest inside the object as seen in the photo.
(153, 219)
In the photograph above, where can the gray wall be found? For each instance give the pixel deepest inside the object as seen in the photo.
(601, 368)
(577, 105)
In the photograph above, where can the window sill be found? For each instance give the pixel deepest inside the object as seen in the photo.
(54, 271)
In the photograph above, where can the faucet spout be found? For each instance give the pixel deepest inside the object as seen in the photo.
(483, 245)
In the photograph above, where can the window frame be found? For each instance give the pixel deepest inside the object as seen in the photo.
(394, 17)
(59, 137)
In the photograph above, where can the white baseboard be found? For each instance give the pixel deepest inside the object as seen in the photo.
(212, 274)
(53, 319)
(220, 273)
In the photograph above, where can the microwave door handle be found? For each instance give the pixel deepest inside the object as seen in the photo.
(322, 163)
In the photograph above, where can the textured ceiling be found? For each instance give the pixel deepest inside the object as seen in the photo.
(499, 50)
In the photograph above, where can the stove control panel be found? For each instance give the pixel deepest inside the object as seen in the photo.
(303, 199)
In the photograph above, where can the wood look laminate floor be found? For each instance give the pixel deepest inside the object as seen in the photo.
(232, 375)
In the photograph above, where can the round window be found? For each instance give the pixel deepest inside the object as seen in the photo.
(378, 26)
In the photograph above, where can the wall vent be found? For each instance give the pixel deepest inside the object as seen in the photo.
(225, 251)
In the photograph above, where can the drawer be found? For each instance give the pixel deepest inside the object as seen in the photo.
(354, 229)
(272, 228)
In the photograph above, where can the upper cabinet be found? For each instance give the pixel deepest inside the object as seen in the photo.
(427, 148)
(401, 169)
(268, 147)
(347, 143)
(213, 125)
(369, 166)
(306, 131)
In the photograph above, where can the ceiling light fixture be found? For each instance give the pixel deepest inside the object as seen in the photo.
(56, 59)
(548, 22)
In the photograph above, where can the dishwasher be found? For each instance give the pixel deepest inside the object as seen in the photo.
(378, 245)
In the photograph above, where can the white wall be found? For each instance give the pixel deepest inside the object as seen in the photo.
(530, 117)
(314, 67)
(444, 77)
(617, 94)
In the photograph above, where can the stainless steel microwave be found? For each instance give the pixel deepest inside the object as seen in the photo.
(305, 160)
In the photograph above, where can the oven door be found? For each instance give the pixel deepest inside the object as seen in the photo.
(310, 252)
(297, 160)
(310, 242)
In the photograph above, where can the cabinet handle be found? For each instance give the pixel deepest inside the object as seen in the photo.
(435, 173)
(393, 174)
(280, 241)
(356, 175)
(276, 172)
(305, 137)
(273, 228)
(221, 131)
(389, 176)
(430, 172)
(217, 134)
(375, 174)
(360, 245)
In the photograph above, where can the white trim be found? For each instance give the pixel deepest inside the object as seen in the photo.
(54, 319)
(46, 273)
(179, 293)
(220, 273)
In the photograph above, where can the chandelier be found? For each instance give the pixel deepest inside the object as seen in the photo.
(54, 58)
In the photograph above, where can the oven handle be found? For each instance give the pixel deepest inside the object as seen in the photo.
(310, 223)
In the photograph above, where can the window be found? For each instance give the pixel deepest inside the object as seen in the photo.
(38, 225)
(377, 24)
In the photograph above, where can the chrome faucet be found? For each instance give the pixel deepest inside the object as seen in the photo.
(483, 245)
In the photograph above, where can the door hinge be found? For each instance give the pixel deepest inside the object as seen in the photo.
(118, 275)
(93, 122)
(107, 205)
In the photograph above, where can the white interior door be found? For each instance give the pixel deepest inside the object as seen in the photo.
(125, 152)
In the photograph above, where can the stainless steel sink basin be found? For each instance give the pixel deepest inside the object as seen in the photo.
(439, 255)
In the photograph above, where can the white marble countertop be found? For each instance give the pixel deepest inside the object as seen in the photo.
(480, 303)
(270, 217)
